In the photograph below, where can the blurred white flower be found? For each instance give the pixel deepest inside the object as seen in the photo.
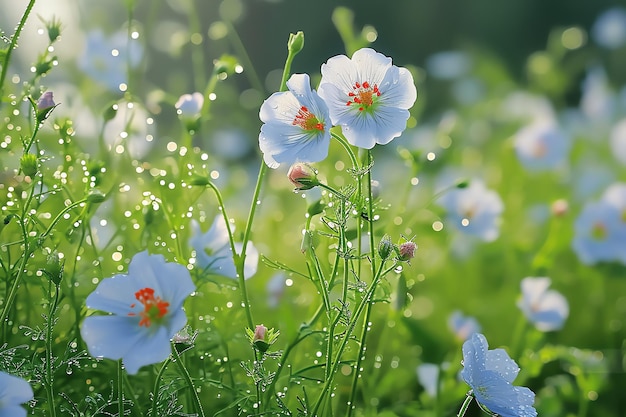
(448, 65)
(609, 29)
(546, 309)
(188, 106)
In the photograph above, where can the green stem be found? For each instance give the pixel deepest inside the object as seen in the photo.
(49, 353)
(347, 335)
(120, 389)
(187, 377)
(370, 211)
(342, 141)
(466, 404)
(155, 389)
(13, 45)
(240, 49)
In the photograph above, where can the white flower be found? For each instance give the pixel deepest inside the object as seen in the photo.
(296, 125)
(367, 96)
(546, 309)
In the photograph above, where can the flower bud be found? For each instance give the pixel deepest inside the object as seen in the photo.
(54, 29)
(262, 337)
(54, 268)
(296, 42)
(303, 176)
(559, 208)
(188, 108)
(96, 196)
(385, 247)
(28, 164)
(110, 112)
(45, 105)
(406, 251)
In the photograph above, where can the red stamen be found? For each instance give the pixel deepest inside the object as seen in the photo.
(154, 307)
(364, 95)
(307, 120)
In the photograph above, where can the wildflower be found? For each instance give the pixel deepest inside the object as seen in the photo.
(13, 392)
(600, 229)
(490, 374)
(428, 377)
(213, 252)
(541, 146)
(609, 29)
(406, 251)
(547, 309)
(367, 96)
(474, 210)
(145, 309)
(188, 108)
(303, 176)
(463, 326)
(296, 125)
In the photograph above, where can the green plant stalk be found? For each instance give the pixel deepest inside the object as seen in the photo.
(120, 388)
(348, 333)
(12, 46)
(240, 49)
(155, 389)
(187, 377)
(197, 55)
(342, 141)
(49, 353)
(465, 404)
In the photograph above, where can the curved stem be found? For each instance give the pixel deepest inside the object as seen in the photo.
(466, 404)
(13, 45)
(187, 377)
(342, 141)
(155, 390)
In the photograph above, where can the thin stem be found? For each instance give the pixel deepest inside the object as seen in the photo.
(466, 404)
(49, 353)
(243, 55)
(155, 389)
(120, 389)
(13, 45)
(187, 377)
(342, 141)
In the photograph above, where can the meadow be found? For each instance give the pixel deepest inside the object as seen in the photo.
(190, 230)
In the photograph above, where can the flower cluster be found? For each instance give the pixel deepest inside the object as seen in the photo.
(367, 96)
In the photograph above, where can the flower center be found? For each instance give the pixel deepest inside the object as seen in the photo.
(363, 95)
(598, 231)
(307, 120)
(154, 307)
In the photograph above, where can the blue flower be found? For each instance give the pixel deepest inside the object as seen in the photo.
(474, 210)
(367, 96)
(600, 229)
(541, 145)
(609, 29)
(490, 374)
(213, 253)
(296, 125)
(14, 391)
(463, 326)
(146, 311)
(547, 309)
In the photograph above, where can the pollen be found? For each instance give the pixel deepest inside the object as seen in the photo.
(363, 95)
(307, 120)
(154, 307)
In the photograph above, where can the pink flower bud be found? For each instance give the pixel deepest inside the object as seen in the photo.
(303, 176)
(406, 251)
(45, 101)
(259, 333)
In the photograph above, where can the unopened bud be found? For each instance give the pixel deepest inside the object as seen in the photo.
(188, 108)
(54, 29)
(296, 42)
(262, 337)
(28, 164)
(406, 251)
(559, 208)
(303, 176)
(96, 196)
(54, 268)
(45, 105)
(385, 247)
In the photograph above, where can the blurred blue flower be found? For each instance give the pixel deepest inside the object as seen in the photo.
(428, 377)
(105, 59)
(146, 311)
(597, 101)
(600, 229)
(296, 125)
(448, 65)
(188, 106)
(14, 391)
(474, 210)
(617, 140)
(609, 29)
(367, 96)
(490, 374)
(541, 146)
(546, 309)
(213, 253)
(463, 326)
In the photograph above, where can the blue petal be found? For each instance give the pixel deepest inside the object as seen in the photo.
(14, 390)
(499, 361)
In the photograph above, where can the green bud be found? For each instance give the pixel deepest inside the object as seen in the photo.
(199, 180)
(307, 241)
(226, 64)
(110, 112)
(315, 208)
(54, 28)
(29, 165)
(463, 183)
(96, 196)
(44, 67)
(262, 337)
(385, 247)
(54, 268)
(296, 42)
